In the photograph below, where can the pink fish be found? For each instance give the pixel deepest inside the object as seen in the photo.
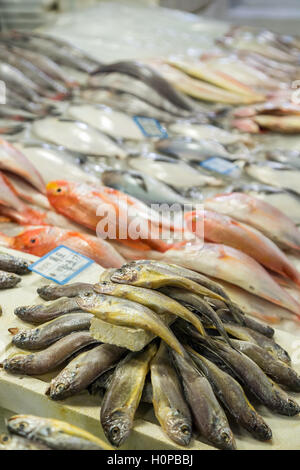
(259, 214)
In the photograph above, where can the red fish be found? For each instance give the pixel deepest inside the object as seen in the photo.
(39, 241)
(219, 228)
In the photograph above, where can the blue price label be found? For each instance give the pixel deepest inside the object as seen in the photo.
(220, 165)
(150, 127)
(61, 264)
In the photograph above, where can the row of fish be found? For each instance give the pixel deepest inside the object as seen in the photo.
(204, 364)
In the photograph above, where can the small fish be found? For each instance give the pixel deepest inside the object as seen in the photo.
(260, 215)
(219, 228)
(279, 371)
(156, 301)
(250, 322)
(124, 312)
(204, 131)
(170, 408)
(123, 395)
(11, 442)
(48, 359)
(13, 264)
(48, 333)
(209, 417)
(231, 394)
(154, 277)
(53, 292)
(45, 312)
(8, 280)
(281, 175)
(56, 434)
(39, 241)
(83, 370)
(260, 385)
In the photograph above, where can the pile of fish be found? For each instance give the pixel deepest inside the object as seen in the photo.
(11, 268)
(28, 432)
(203, 363)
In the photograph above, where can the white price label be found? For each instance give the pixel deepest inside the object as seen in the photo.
(220, 165)
(61, 264)
(150, 127)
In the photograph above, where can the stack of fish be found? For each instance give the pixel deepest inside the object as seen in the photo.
(203, 364)
(28, 432)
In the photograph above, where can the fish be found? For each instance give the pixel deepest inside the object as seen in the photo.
(153, 276)
(144, 187)
(123, 395)
(97, 207)
(279, 371)
(260, 215)
(226, 263)
(150, 77)
(232, 395)
(219, 228)
(53, 292)
(208, 416)
(83, 370)
(24, 85)
(172, 172)
(260, 327)
(41, 313)
(48, 359)
(246, 334)
(280, 175)
(11, 442)
(256, 306)
(284, 200)
(283, 124)
(13, 264)
(54, 433)
(198, 132)
(39, 241)
(265, 390)
(53, 161)
(76, 136)
(156, 301)
(57, 49)
(192, 151)
(14, 161)
(197, 303)
(26, 192)
(124, 312)
(169, 404)
(8, 280)
(50, 332)
(113, 123)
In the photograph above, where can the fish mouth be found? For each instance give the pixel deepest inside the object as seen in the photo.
(124, 275)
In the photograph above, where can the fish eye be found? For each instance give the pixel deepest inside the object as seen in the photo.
(115, 431)
(22, 426)
(185, 429)
(33, 240)
(225, 436)
(59, 190)
(4, 438)
(60, 387)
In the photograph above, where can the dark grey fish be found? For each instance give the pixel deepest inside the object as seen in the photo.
(48, 359)
(45, 312)
(48, 333)
(13, 264)
(53, 292)
(83, 370)
(276, 369)
(250, 322)
(8, 280)
(266, 391)
(209, 417)
(231, 394)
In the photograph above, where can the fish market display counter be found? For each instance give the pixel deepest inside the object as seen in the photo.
(27, 394)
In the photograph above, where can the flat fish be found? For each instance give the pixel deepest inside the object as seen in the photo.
(276, 174)
(76, 136)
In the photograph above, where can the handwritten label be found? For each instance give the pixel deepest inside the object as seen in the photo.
(61, 264)
(150, 127)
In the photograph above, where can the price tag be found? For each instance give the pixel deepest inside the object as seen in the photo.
(61, 264)
(220, 165)
(150, 127)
